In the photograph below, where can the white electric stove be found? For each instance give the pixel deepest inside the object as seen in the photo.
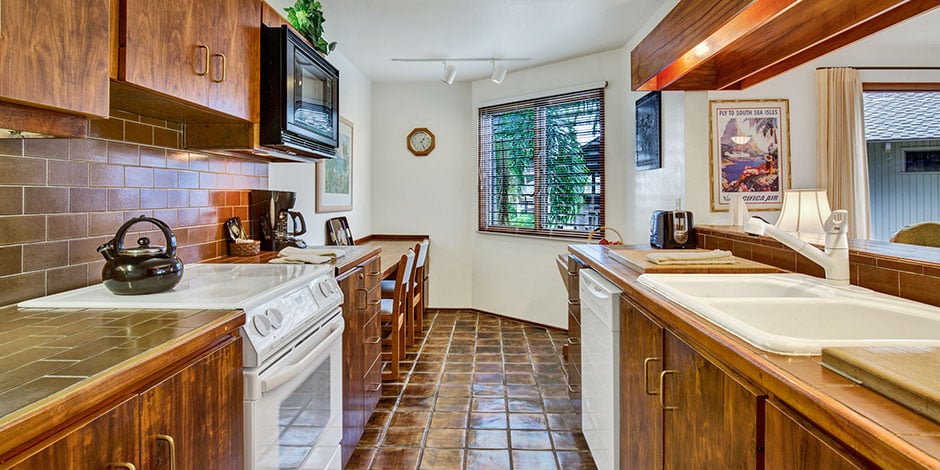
(292, 350)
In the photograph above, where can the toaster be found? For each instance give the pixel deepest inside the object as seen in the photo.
(672, 229)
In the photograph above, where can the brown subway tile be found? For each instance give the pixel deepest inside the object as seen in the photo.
(208, 180)
(881, 280)
(932, 270)
(90, 150)
(11, 200)
(165, 178)
(152, 121)
(233, 166)
(137, 177)
(224, 181)
(11, 147)
(138, 133)
(45, 200)
(123, 199)
(240, 211)
(198, 198)
(68, 173)
(88, 199)
(198, 162)
(11, 260)
(152, 198)
(216, 198)
(233, 198)
(169, 216)
(216, 164)
(174, 125)
(900, 265)
(189, 179)
(22, 287)
(924, 289)
(177, 159)
(862, 259)
(123, 154)
(225, 213)
(153, 157)
(805, 266)
(240, 181)
(194, 253)
(65, 226)
(166, 138)
(66, 278)
(124, 115)
(93, 271)
(57, 149)
(22, 229)
(106, 175)
(22, 171)
(188, 217)
(104, 223)
(111, 129)
(177, 198)
(84, 250)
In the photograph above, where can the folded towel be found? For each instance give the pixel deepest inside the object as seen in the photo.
(294, 255)
(691, 257)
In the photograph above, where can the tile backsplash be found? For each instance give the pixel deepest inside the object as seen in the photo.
(61, 198)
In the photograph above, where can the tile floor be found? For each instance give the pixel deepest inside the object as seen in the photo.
(479, 392)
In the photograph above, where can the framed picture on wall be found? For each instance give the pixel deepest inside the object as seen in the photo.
(334, 176)
(749, 152)
(649, 134)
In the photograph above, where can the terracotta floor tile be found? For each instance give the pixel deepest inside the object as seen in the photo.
(488, 404)
(487, 378)
(569, 440)
(529, 440)
(575, 460)
(447, 439)
(525, 405)
(527, 421)
(424, 378)
(456, 377)
(408, 419)
(361, 459)
(415, 403)
(488, 420)
(458, 367)
(371, 437)
(488, 368)
(488, 390)
(379, 419)
(396, 458)
(540, 459)
(564, 421)
(449, 419)
(403, 437)
(442, 459)
(487, 459)
(452, 404)
(522, 391)
(454, 390)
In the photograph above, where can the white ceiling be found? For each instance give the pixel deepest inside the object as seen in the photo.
(370, 33)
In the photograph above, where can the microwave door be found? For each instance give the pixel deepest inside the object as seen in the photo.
(310, 106)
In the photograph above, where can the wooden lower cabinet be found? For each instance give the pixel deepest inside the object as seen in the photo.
(794, 444)
(362, 364)
(187, 420)
(678, 409)
(573, 348)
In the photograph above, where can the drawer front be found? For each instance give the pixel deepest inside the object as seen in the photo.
(371, 341)
(372, 382)
(373, 272)
(368, 301)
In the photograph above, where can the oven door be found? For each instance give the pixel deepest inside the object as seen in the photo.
(293, 408)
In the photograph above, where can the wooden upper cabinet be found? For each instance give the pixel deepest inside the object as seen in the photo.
(54, 54)
(204, 53)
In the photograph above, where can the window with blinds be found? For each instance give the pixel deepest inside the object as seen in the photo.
(542, 165)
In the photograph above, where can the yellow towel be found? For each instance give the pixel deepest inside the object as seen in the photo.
(691, 257)
(294, 255)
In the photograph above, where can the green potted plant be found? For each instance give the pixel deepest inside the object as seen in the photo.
(307, 17)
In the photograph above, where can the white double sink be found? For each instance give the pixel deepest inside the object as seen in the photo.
(795, 314)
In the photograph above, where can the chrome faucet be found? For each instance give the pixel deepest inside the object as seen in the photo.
(835, 260)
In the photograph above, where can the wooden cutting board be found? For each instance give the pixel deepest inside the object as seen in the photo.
(906, 374)
(636, 260)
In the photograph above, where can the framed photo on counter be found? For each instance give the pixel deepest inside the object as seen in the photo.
(334, 176)
(749, 152)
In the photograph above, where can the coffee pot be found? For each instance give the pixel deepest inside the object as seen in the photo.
(144, 269)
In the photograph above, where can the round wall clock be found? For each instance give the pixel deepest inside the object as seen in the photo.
(421, 141)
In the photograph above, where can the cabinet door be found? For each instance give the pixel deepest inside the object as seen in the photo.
(234, 70)
(167, 47)
(353, 421)
(641, 417)
(54, 54)
(793, 444)
(201, 408)
(108, 439)
(710, 420)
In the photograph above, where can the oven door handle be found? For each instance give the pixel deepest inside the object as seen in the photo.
(295, 369)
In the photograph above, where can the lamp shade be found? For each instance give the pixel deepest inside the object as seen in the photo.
(499, 74)
(804, 211)
(450, 72)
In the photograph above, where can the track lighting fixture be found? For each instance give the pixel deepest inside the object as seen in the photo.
(450, 72)
(499, 73)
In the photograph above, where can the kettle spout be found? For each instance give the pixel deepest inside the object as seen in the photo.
(107, 250)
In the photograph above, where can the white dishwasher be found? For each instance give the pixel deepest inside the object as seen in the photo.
(600, 367)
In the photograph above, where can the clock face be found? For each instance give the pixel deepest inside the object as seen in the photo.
(421, 141)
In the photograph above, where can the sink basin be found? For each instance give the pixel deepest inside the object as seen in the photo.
(796, 314)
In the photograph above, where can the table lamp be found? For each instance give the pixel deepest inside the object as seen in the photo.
(804, 211)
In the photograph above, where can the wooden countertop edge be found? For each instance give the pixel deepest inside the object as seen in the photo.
(356, 254)
(89, 397)
(858, 431)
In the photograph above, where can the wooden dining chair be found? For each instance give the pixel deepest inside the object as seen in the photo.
(414, 318)
(393, 312)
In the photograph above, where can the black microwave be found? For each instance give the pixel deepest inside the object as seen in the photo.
(299, 96)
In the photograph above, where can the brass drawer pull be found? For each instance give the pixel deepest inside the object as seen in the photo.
(375, 340)
(375, 273)
(169, 440)
(127, 465)
(205, 60)
(378, 387)
(222, 78)
(574, 340)
(574, 389)
(646, 375)
(375, 302)
(662, 390)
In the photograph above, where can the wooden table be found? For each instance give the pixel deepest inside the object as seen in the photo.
(392, 249)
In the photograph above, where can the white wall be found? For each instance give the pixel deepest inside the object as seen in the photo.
(355, 101)
(435, 194)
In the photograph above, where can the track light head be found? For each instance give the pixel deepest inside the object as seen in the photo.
(450, 73)
(499, 74)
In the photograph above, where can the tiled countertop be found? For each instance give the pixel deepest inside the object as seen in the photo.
(876, 427)
(50, 356)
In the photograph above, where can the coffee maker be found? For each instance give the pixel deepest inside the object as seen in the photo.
(271, 215)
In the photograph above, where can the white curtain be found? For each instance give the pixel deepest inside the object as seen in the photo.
(840, 145)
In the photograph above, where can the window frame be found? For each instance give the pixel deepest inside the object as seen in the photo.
(485, 173)
(907, 150)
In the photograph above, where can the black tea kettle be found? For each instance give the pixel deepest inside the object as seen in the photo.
(146, 269)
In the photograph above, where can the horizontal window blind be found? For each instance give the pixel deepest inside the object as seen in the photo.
(541, 165)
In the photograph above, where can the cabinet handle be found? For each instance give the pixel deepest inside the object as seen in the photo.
(222, 79)
(378, 387)
(205, 60)
(646, 375)
(373, 340)
(574, 340)
(375, 302)
(662, 390)
(170, 442)
(127, 465)
(362, 276)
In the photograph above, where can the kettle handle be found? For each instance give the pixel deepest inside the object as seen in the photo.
(118, 241)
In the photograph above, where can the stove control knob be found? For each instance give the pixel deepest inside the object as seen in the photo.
(275, 317)
(262, 325)
(326, 288)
